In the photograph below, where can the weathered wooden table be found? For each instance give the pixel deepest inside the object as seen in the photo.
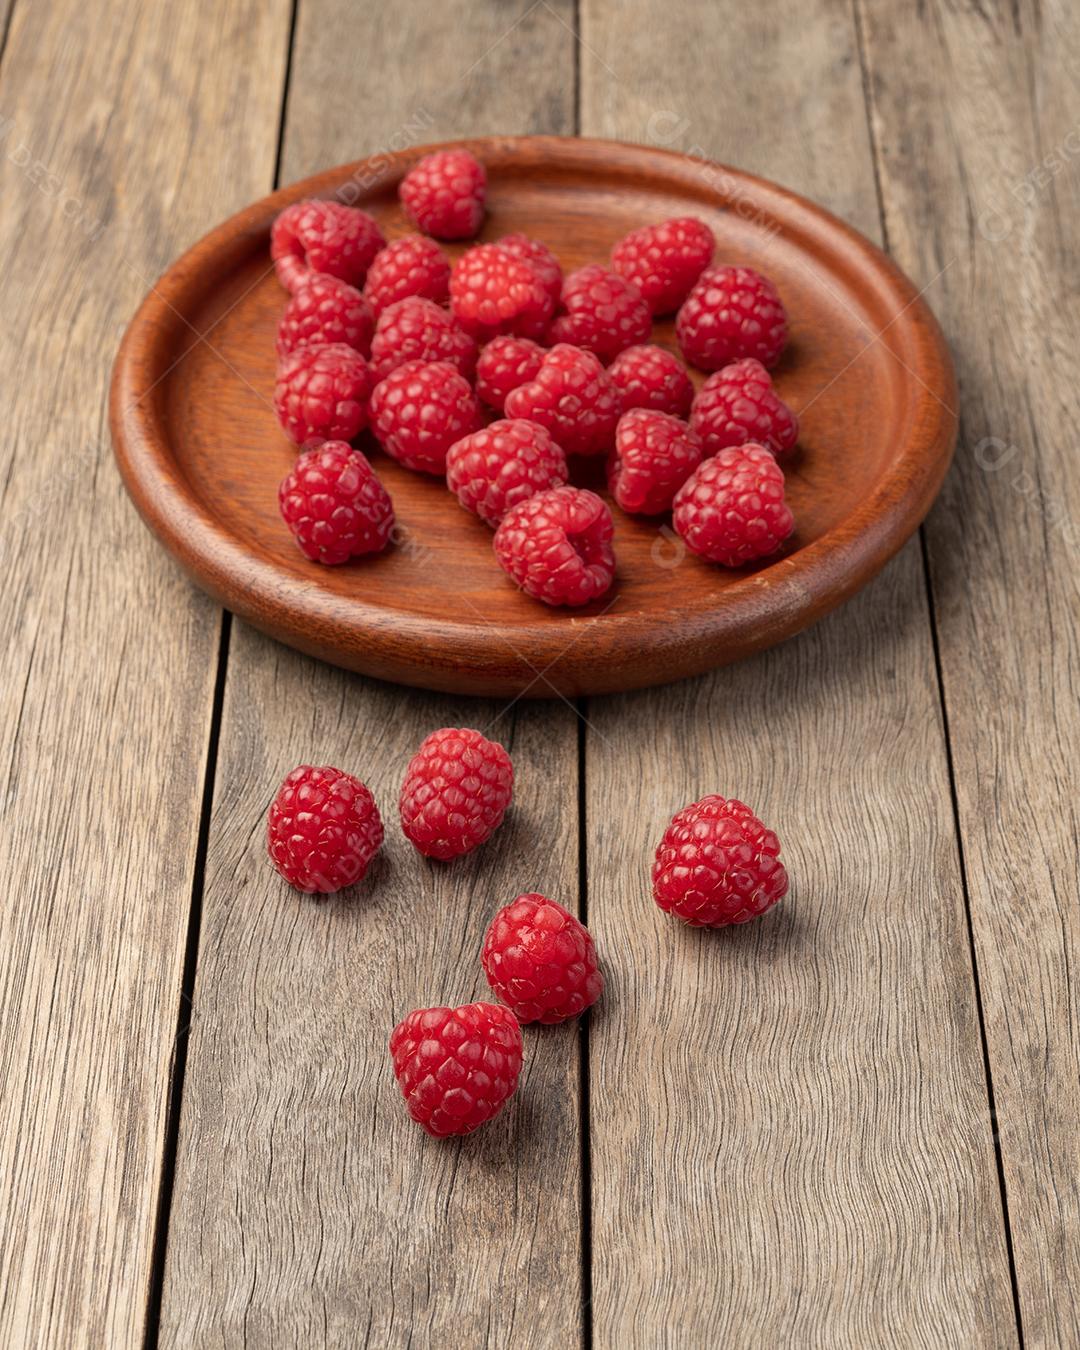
(854, 1123)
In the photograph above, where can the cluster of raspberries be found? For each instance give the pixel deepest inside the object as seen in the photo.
(715, 865)
(493, 372)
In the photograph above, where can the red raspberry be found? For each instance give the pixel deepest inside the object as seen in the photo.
(557, 546)
(663, 261)
(492, 292)
(601, 313)
(739, 404)
(501, 465)
(649, 377)
(654, 455)
(322, 312)
(573, 397)
(539, 257)
(335, 505)
(420, 410)
(456, 791)
(456, 1067)
(321, 394)
(717, 865)
(540, 961)
(414, 329)
(411, 265)
(731, 509)
(443, 194)
(317, 236)
(505, 363)
(323, 829)
(731, 312)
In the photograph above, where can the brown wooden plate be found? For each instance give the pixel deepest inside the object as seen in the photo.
(867, 370)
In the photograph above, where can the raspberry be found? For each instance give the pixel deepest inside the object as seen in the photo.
(323, 829)
(335, 505)
(420, 410)
(731, 509)
(501, 465)
(717, 865)
(663, 261)
(539, 257)
(649, 377)
(443, 194)
(654, 455)
(731, 312)
(414, 329)
(573, 397)
(456, 791)
(411, 265)
(601, 313)
(317, 236)
(557, 546)
(324, 311)
(492, 292)
(540, 961)
(321, 394)
(505, 363)
(456, 1067)
(738, 404)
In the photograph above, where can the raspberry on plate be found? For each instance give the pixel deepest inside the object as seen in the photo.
(600, 312)
(557, 546)
(539, 257)
(321, 394)
(415, 329)
(731, 509)
(419, 410)
(411, 265)
(717, 865)
(501, 465)
(663, 261)
(317, 236)
(654, 455)
(738, 404)
(540, 961)
(492, 292)
(649, 377)
(323, 829)
(335, 505)
(731, 312)
(324, 311)
(456, 1067)
(573, 397)
(443, 194)
(456, 791)
(505, 363)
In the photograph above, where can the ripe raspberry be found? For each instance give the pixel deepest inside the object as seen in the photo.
(324, 311)
(557, 546)
(411, 265)
(505, 363)
(443, 194)
(492, 292)
(323, 829)
(739, 404)
(539, 257)
(414, 329)
(501, 465)
(317, 236)
(649, 377)
(540, 961)
(456, 791)
(663, 261)
(731, 312)
(717, 865)
(731, 509)
(573, 397)
(654, 455)
(335, 505)
(420, 410)
(321, 394)
(456, 1067)
(601, 313)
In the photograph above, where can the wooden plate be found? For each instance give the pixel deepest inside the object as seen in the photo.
(202, 455)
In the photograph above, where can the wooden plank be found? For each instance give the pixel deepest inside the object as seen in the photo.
(991, 194)
(111, 159)
(790, 1136)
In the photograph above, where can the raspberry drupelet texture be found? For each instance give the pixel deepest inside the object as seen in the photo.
(557, 546)
(444, 194)
(505, 363)
(539, 257)
(717, 864)
(664, 261)
(334, 504)
(649, 377)
(732, 312)
(501, 465)
(540, 961)
(572, 396)
(323, 312)
(323, 829)
(456, 791)
(415, 329)
(456, 1067)
(739, 404)
(601, 312)
(412, 265)
(654, 455)
(419, 410)
(731, 509)
(492, 292)
(317, 236)
(321, 394)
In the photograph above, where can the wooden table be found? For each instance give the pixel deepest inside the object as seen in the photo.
(854, 1123)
